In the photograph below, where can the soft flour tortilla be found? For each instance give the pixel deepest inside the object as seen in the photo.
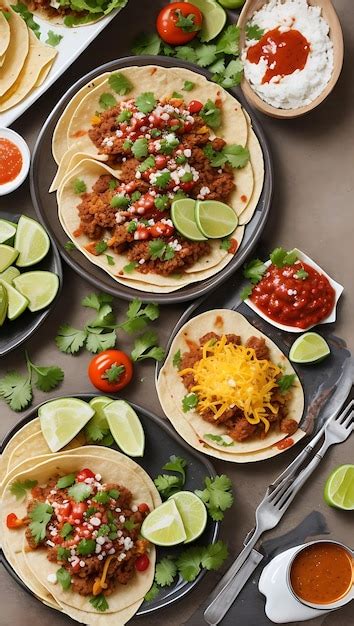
(16, 52)
(4, 36)
(39, 56)
(121, 472)
(70, 159)
(23, 433)
(171, 390)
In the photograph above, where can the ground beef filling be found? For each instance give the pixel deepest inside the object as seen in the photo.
(62, 10)
(234, 420)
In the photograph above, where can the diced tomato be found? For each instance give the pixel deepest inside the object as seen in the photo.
(160, 229)
(12, 521)
(76, 568)
(195, 106)
(146, 175)
(142, 233)
(152, 148)
(155, 120)
(187, 186)
(83, 531)
(187, 127)
(65, 509)
(78, 509)
(160, 161)
(142, 563)
(144, 508)
(174, 122)
(57, 539)
(83, 474)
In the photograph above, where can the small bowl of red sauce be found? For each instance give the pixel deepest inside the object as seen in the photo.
(321, 575)
(15, 159)
(295, 297)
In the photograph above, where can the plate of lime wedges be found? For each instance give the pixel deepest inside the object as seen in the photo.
(30, 278)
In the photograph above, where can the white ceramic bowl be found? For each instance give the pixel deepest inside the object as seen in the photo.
(11, 135)
(294, 329)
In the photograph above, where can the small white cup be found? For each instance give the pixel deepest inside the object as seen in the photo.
(11, 135)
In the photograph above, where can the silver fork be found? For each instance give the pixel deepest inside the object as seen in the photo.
(270, 511)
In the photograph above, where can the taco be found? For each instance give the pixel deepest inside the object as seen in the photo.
(92, 569)
(73, 12)
(228, 387)
(4, 35)
(16, 51)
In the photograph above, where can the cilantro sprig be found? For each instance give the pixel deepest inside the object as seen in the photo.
(167, 484)
(285, 382)
(217, 495)
(40, 517)
(19, 488)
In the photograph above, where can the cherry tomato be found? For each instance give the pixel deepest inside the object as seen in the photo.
(57, 539)
(83, 474)
(142, 563)
(160, 229)
(144, 508)
(12, 521)
(195, 106)
(160, 161)
(169, 22)
(187, 186)
(104, 362)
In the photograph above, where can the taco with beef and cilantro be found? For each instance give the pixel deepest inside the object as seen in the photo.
(73, 12)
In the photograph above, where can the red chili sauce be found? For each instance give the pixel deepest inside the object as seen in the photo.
(285, 443)
(10, 161)
(284, 52)
(321, 573)
(288, 299)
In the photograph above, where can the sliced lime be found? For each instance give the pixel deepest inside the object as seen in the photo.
(4, 301)
(193, 513)
(9, 274)
(309, 348)
(125, 427)
(182, 213)
(232, 4)
(61, 420)
(17, 302)
(339, 488)
(7, 230)
(39, 287)
(164, 525)
(8, 254)
(32, 242)
(214, 18)
(215, 219)
(99, 421)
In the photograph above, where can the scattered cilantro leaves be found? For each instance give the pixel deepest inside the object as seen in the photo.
(152, 593)
(96, 300)
(66, 530)
(280, 257)
(19, 488)
(146, 102)
(63, 553)
(64, 578)
(66, 481)
(225, 244)
(139, 315)
(253, 31)
(79, 186)
(206, 54)
(27, 16)
(53, 39)
(99, 603)
(147, 44)
(140, 148)
(130, 267)
(110, 259)
(228, 41)
(79, 492)
(217, 495)
(120, 83)
(285, 382)
(69, 246)
(189, 402)
(301, 274)
(86, 547)
(177, 359)
(147, 164)
(69, 339)
(145, 347)
(246, 292)
(176, 464)
(254, 270)
(165, 571)
(167, 484)
(107, 101)
(219, 439)
(211, 114)
(40, 517)
(237, 156)
(188, 85)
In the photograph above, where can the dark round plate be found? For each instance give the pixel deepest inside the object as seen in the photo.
(13, 333)
(44, 167)
(160, 443)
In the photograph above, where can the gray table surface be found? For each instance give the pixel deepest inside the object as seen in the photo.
(313, 210)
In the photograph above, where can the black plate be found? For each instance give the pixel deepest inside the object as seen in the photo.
(43, 170)
(13, 333)
(160, 442)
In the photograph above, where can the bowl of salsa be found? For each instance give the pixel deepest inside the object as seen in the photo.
(15, 159)
(321, 574)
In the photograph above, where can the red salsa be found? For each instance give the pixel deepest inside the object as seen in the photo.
(294, 295)
(10, 161)
(285, 443)
(284, 52)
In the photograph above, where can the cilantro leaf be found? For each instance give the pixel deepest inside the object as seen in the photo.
(64, 578)
(301, 274)
(162, 202)
(63, 553)
(146, 44)
(285, 382)
(97, 340)
(110, 259)
(246, 292)
(225, 244)
(27, 16)
(140, 148)
(177, 359)
(139, 314)
(146, 102)
(19, 488)
(186, 53)
(120, 83)
(236, 155)
(48, 378)
(162, 180)
(53, 39)
(228, 42)
(280, 257)
(96, 300)
(211, 114)
(130, 267)
(107, 101)
(66, 481)
(218, 66)
(176, 464)
(219, 439)
(69, 339)
(145, 347)
(66, 530)
(214, 555)
(79, 186)
(230, 76)
(118, 201)
(167, 484)
(16, 390)
(188, 85)
(216, 496)
(40, 517)
(206, 54)
(189, 402)
(147, 164)
(165, 571)
(254, 270)
(79, 492)
(104, 318)
(253, 31)
(152, 593)
(86, 547)
(186, 22)
(189, 563)
(129, 525)
(114, 373)
(99, 603)
(69, 246)
(101, 247)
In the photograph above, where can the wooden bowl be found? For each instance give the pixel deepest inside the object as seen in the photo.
(336, 35)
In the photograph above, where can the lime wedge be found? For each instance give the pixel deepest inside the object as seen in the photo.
(164, 525)
(309, 348)
(17, 302)
(7, 256)
(182, 213)
(40, 288)
(125, 427)
(99, 420)
(214, 18)
(339, 488)
(215, 219)
(4, 301)
(31, 241)
(7, 230)
(61, 420)
(9, 274)
(193, 513)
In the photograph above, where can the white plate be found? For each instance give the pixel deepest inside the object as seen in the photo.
(293, 329)
(74, 42)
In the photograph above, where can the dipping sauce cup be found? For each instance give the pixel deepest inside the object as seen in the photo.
(321, 575)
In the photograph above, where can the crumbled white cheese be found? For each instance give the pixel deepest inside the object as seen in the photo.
(52, 578)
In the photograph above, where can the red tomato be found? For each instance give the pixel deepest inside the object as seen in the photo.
(144, 508)
(160, 161)
(142, 563)
(187, 187)
(12, 521)
(83, 474)
(65, 509)
(195, 106)
(169, 22)
(103, 362)
(78, 510)
(160, 229)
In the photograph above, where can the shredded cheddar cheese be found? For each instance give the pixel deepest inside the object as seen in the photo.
(95, 119)
(230, 376)
(100, 583)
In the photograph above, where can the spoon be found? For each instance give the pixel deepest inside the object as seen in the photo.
(336, 35)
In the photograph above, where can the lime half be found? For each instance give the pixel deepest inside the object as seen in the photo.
(214, 18)
(339, 488)
(309, 348)
(4, 301)
(125, 427)
(183, 217)
(7, 230)
(215, 219)
(61, 420)
(9, 274)
(40, 288)
(17, 302)
(193, 513)
(7, 256)
(31, 241)
(164, 525)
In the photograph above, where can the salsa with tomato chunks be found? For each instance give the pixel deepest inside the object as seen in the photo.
(10, 161)
(294, 295)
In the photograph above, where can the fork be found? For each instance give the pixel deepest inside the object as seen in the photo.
(269, 512)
